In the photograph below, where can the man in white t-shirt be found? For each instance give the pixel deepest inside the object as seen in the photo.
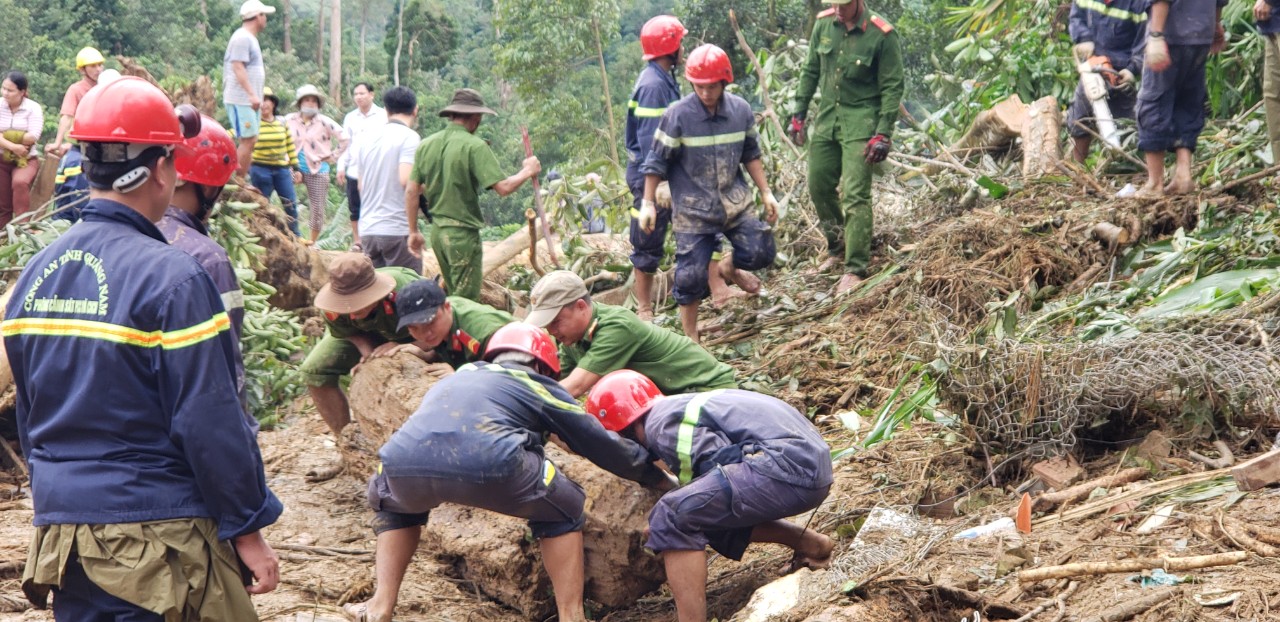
(243, 76)
(383, 161)
(367, 116)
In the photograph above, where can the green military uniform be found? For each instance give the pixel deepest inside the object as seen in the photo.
(473, 325)
(860, 74)
(454, 166)
(334, 356)
(618, 339)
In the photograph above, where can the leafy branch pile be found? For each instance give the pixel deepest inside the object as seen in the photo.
(272, 337)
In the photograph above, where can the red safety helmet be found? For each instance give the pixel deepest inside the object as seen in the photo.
(132, 110)
(708, 64)
(526, 338)
(661, 36)
(208, 158)
(621, 397)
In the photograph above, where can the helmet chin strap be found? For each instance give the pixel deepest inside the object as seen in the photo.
(130, 181)
(205, 203)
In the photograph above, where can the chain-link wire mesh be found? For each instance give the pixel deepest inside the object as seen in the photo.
(1033, 399)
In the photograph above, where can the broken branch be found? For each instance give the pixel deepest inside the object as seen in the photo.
(1131, 609)
(1175, 564)
(1080, 491)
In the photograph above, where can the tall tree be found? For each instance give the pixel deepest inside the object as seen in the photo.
(335, 54)
(286, 17)
(395, 58)
(425, 38)
(320, 34)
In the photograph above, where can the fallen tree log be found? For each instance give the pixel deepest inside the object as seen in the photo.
(1041, 148)
(492, 551)
(1171, 564)
(1081, 491)
(296, 270)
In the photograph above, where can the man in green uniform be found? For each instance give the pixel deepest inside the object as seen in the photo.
(597, 338)
(854, 56)
(452, 330)
(360, 324)
(451, 168)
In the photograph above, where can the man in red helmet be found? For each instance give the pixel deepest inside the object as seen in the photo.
(476, 440)
(654, 91)
(856, 60)
(205, 163)
(745, 462)
(145, 474)
(700, 147)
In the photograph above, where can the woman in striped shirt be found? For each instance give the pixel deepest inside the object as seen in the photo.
(275, 161)
(21, 121)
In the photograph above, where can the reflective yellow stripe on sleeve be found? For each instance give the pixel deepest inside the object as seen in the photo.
(701, 141)
(643, 112)
(87, 329)
(1109, 11)
(684, 437)
(533, 385)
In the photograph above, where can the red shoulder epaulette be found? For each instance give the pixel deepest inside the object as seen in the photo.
(881, 24)
(827, 13)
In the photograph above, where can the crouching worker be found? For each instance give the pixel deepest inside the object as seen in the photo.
(359, 305)
(476, 440)
(745, 462)
(446, 329)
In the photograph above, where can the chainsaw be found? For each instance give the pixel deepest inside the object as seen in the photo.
(1097, 76)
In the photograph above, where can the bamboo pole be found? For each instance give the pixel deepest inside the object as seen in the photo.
(1175, 564)
(764, 85)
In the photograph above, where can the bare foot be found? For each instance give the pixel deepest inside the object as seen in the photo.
(359, 612)
(813, 552)
(720, 297)
(1180, 185)
(848, 282)
(645, 314)
(745, 280)
(829, 264)
(1149, 191)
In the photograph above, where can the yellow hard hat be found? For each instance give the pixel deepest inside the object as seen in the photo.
(89, 56)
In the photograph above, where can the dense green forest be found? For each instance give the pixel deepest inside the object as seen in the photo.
(542, 64)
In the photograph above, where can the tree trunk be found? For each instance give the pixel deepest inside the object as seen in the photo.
(286, 13)
(994, 128)
(335, 55)
(203, 26)
(320, 34)
(608, 99)
(395, 62)
(1041, 148)
(364, 25)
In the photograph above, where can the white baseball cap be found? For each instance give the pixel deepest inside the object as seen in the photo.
(254, 8)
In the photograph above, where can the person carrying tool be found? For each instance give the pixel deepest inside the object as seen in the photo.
(654, 91)
(1108, 37)
(1171, 98)
(145, 475)
(359, 305)
(744, 461)
(451, 168)
(477, 440)
(205, 163)
(855, 58)
(596, 338)
(700, 147)
(452, 330)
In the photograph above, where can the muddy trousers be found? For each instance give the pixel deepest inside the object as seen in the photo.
(840, 185)
(461, 257)
(15, 189)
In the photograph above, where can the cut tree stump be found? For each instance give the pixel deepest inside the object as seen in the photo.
(994, 128)
(1041, 148)
(495, 552)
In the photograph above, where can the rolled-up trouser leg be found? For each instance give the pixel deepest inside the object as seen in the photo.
(693, 253)
(646, 248)
(753, 244)
(328, 361)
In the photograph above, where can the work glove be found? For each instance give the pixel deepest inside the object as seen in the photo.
(1126, 80)
(796, 131)
(1157, 55)
(648, 218)
(1084, 50)
(877, 149)
(662, 196)
(770, 208)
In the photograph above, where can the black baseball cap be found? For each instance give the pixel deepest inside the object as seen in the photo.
(418, 302)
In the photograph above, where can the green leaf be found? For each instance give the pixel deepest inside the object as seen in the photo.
(997, 189)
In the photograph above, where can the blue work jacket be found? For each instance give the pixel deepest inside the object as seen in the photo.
(1117, 28)
(124, 366)
(654, 91)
